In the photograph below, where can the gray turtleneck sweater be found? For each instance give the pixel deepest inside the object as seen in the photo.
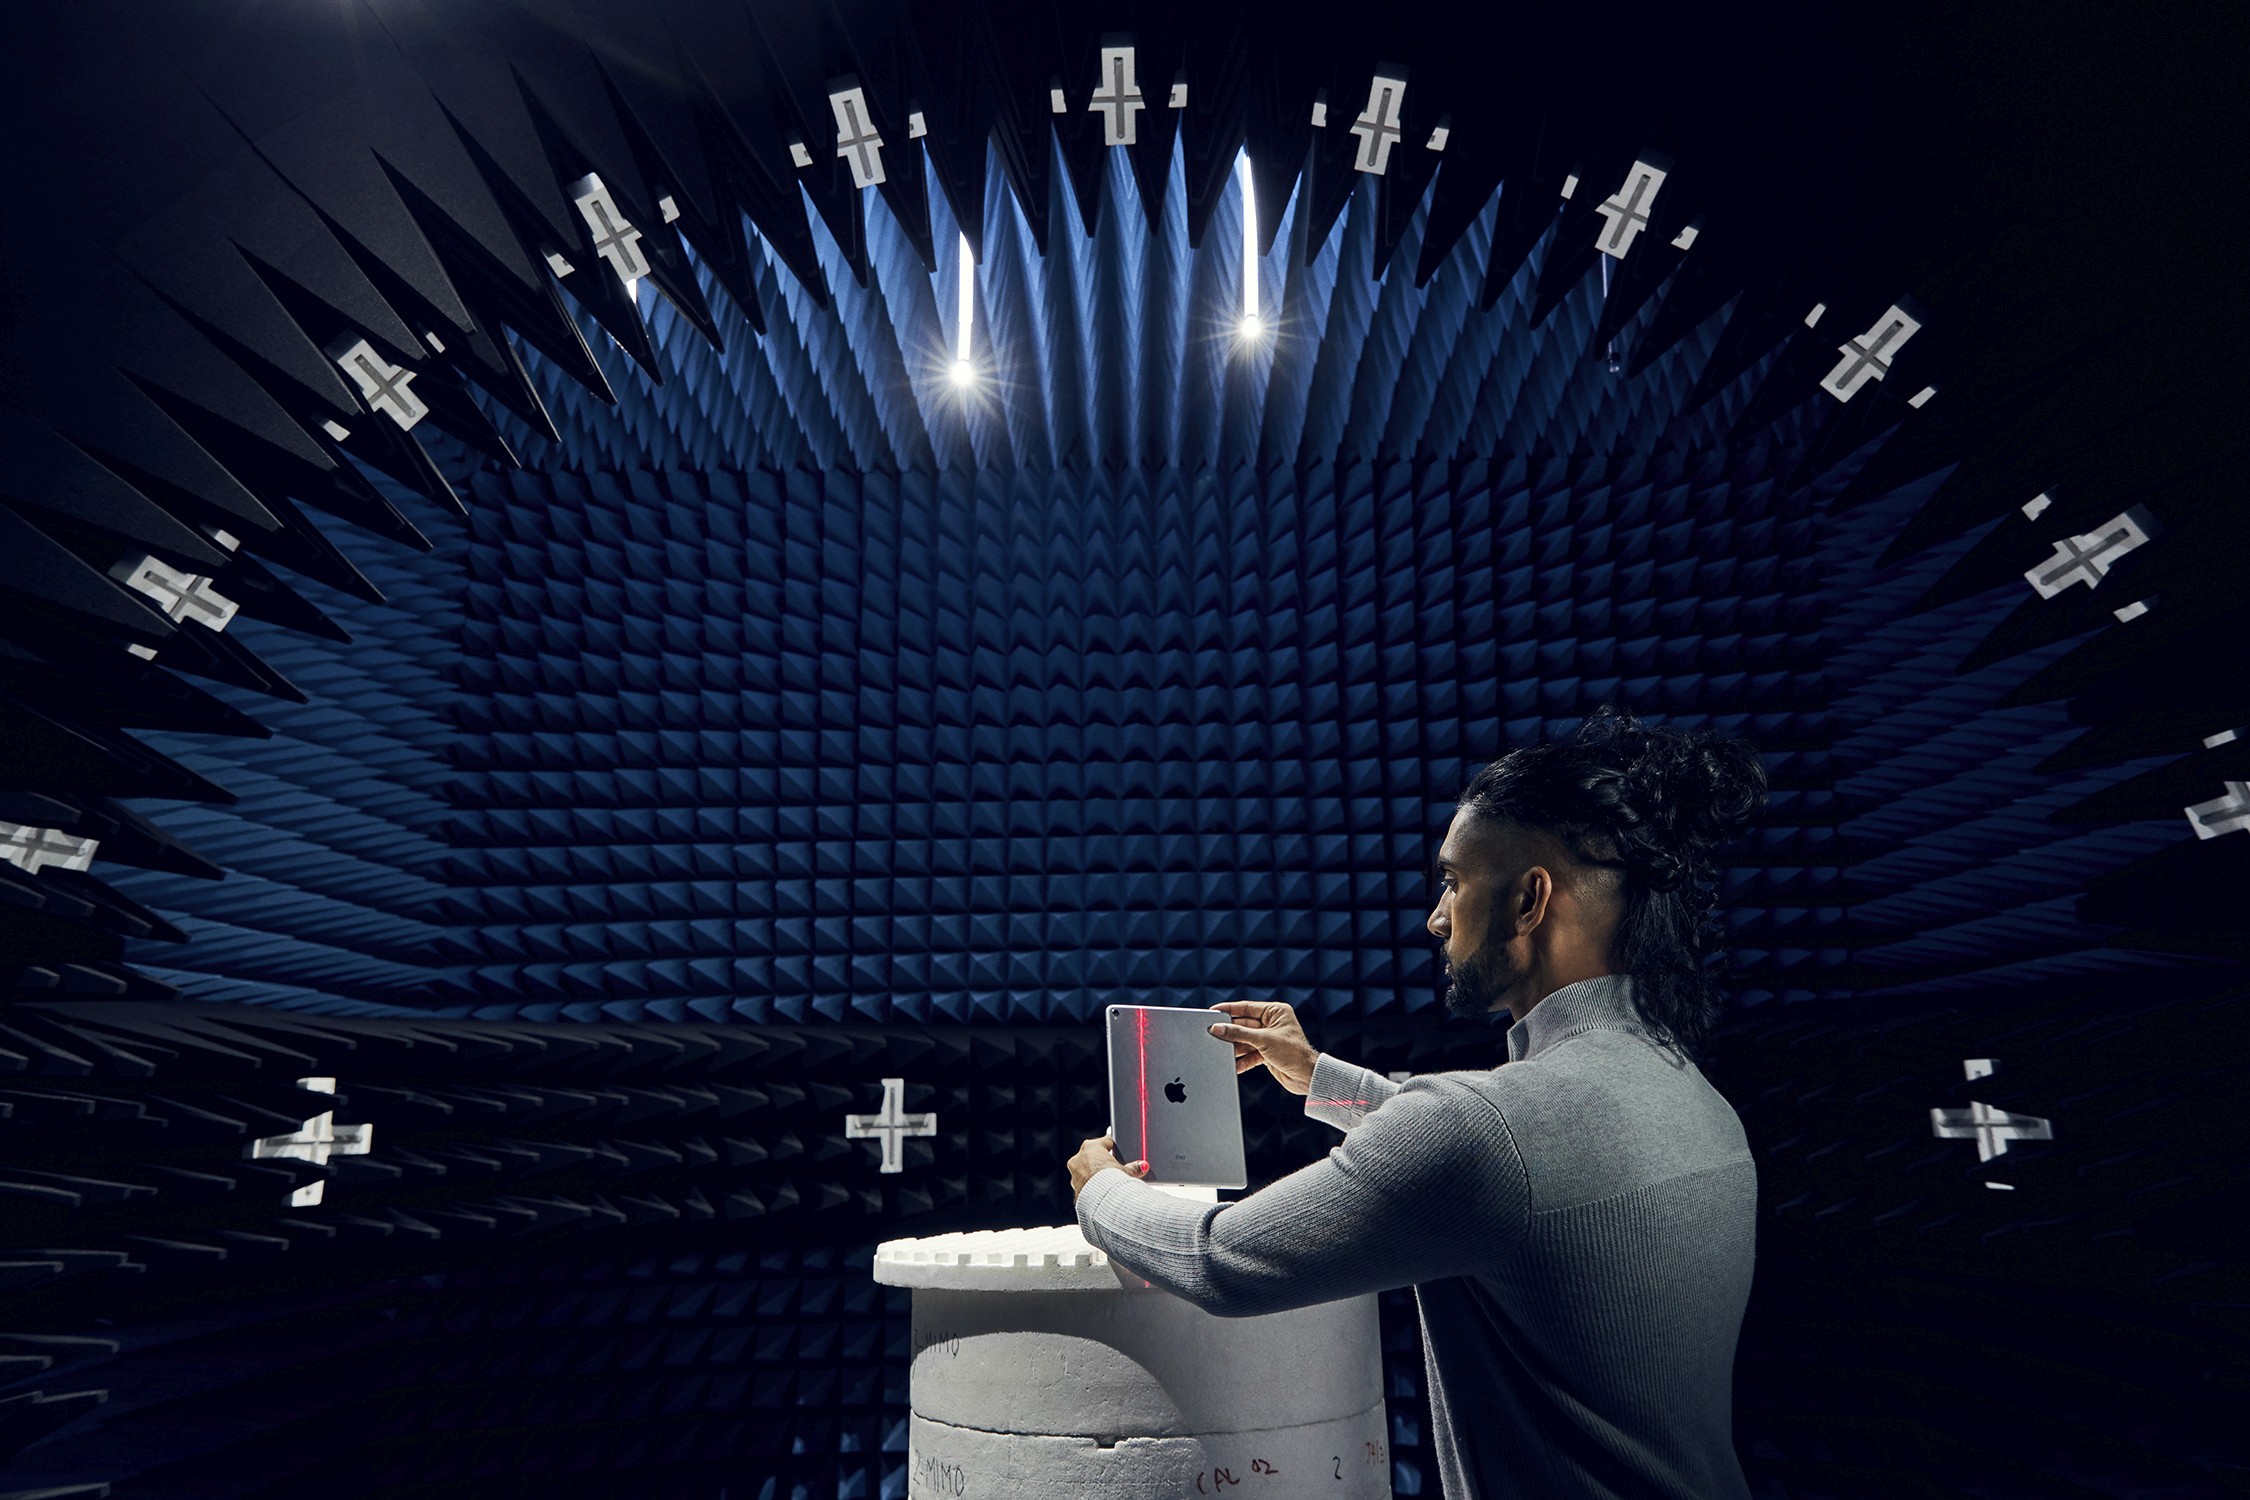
(1577, 1226)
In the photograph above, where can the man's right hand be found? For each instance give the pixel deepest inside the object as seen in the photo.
(1268, 1033)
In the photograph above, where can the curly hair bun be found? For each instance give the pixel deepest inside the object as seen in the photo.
(1678, 793)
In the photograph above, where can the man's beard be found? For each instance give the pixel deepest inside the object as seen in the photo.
(1479, 982)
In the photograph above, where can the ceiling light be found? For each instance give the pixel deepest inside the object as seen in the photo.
(1252, 326)
(964, 312)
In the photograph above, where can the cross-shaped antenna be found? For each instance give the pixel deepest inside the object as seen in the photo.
(382, 385)
(1118, 98)
(891, 1124)
(2088, 557)
(1627, 209)
(1378, 126)
(856, 138)
(315, 1141)
(180, 595)
(1869, 356)
(33, 849)
(1991, 1128)
(2224, 814)
(615, 238)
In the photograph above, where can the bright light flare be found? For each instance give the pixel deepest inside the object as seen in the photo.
(964, 373)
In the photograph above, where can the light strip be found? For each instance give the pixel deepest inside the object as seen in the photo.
(1249, 247)
(968, 302)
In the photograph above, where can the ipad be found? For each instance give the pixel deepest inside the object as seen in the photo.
(1173, 1099)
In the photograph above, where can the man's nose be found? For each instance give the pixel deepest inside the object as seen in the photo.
(1437, 924)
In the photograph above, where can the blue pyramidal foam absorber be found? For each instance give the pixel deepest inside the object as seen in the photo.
(905, 746)
(728, 745)
(805, 685)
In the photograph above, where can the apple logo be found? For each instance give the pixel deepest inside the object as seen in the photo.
(1176, 1091)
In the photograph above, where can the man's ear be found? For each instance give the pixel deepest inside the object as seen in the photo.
(1534, 889)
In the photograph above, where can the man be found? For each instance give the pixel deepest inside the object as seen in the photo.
(1578, 1224)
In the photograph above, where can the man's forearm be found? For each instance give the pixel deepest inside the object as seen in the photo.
(1385, 1208)
(1343, 1093)
(1162, 1239)
(1176, 1246)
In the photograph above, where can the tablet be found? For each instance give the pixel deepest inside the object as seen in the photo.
(1173, 1098)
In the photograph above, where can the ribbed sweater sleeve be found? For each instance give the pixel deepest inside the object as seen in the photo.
(1430, 1186)
(1342, 1093)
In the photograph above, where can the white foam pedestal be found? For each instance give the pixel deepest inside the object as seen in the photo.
(1043, 1373)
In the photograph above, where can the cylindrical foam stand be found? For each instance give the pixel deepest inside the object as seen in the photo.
(1043, 1373)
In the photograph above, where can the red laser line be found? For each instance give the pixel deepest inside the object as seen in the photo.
(1142, 1017)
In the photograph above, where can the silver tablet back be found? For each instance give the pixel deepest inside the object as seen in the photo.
(1173, 1098)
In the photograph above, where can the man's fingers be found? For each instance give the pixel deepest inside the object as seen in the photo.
(1241, 1036)
(1252, 1009)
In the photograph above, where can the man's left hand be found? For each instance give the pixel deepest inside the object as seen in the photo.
(1097, 1155)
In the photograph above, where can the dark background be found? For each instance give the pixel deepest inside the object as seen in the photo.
(708, 712)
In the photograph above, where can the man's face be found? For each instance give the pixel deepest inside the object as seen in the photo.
(1482, 974)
